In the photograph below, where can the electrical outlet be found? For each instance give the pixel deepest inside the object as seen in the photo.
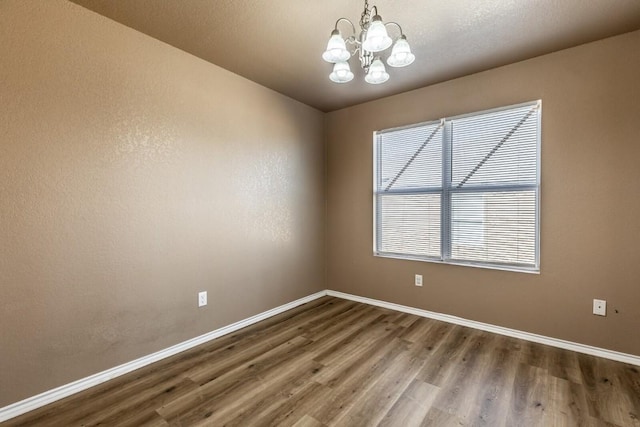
(202, 298)
(600, 307)
(418, 280)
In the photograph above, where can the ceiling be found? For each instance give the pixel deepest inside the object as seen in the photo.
(279, 43)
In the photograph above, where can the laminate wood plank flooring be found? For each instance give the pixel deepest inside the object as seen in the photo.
(334, 362)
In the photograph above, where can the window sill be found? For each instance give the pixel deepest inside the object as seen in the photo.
(513, 269)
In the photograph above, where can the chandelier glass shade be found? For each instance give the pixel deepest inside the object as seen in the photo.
(401, 55)
(369, 44)
(336, 49)
(341, 73)
(377, 73)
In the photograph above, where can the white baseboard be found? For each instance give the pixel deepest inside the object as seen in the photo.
(66, 390)
(541, 339)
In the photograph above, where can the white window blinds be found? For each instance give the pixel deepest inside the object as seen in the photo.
(462, 190)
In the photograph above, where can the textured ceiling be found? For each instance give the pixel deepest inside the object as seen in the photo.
(279, 43)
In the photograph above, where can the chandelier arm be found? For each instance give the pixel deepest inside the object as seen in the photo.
(397, 25)
(353, 27)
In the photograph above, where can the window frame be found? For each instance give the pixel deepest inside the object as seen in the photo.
(447, 189)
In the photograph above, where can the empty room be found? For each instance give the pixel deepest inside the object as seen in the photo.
(319, 213)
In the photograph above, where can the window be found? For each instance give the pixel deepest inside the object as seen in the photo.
(462, 190)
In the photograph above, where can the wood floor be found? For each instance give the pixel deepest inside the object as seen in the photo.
(334, 362)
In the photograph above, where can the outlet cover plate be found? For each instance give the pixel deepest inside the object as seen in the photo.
(418, 280)
(599, 307)
(202, 298)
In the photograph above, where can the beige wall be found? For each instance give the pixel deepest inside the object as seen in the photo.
(590, 198)
(132, 176)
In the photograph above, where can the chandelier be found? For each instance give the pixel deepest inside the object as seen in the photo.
(369, 44)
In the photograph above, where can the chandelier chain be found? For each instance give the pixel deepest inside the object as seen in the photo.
(364, 18)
